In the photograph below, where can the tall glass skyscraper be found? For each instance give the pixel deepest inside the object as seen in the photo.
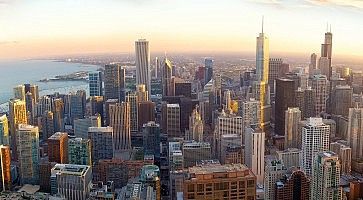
(95, 84)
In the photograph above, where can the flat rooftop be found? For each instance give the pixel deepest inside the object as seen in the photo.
(77, 170)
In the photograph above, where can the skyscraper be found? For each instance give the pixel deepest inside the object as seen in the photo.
(102, 144)
(208, 70)
(292, 133)
(47, 124)
(277, 69)
(142, 93)
(142, 54)
(355, 137)
(19, 92)
(285, 97)
(312, 65)
(326, 177)
(194, 152)
(133, 101)
(81, 126)
(27, 138)
(4, 130)
(95, 83)
(230, 149)
(274, 171)
(146, 112)
(315, 138)
(114, 82)
(320, 87)
(250, 112)
(17, 115)
(326, 51)
(341, 100)
(78, 105)
(262, 57)
(5, 160)
(196, 126)
(120, 122)
(171, 120)
(344, 153)
(168, 87)
(255, 152)
(291, 157)
(58, 148)
(151, 139)
(79, 151)
(58, 113)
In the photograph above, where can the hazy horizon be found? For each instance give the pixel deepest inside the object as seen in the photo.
(295, 28)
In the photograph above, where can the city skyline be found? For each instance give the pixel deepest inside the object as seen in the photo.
(68, 27)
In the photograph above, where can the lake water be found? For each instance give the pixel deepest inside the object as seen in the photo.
(13, 73)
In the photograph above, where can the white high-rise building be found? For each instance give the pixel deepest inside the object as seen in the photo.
(326, 177)
(262, 57)
(250, 112)
(315, 138)
(228, 100)
(142, 52)
(255, 152)
(274, 171)
(291, 157)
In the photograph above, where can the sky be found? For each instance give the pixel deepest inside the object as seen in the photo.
(40, 28)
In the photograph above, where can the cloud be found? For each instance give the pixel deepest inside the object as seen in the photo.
(8, 42)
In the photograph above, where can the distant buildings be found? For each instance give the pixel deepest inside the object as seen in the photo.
(114, 82)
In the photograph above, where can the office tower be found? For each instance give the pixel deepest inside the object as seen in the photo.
(30, 107)
(78, 105)
(120, 122)
(17, 115)
(132, 100)
(175, 155)
(208, 70)
(79, 151)
(5, 160)
(19, 92)
(168, 87)
(183, 89)
(294, 185)
(291, 157)
(150, 178)
(326, 53)
(355, 189)
(71, 181)
(58, 113)
(196, 126)
(250, 112)
(277, 69)
(196, 151)
(211, 180)
(114, 82)
(274, 171)
(141, 93)
(27, 139)
(58, 148)
(146, 112)
(95, 83)
(33, 90)
(355, 137)
(315, 138)
(284, 98)
(341, 100)
(81, 125)
(312, 65)
(171, 120)
(102, 144)
(255, 152)
(157, 68)
(320, 87)
(4, 130)
(142, 56)
(326, 177)
(151, 139)
(46, 104)
(262, 57)
(96, 107)
(228, 101)
(229, 149)
(227, 123)
(292, 133)
(107, 109)
(114, 170)
(344, 153)
(47, 122)
(305, 101)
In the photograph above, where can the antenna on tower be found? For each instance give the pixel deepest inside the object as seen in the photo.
(262, 22)
(327, 26)
(330, 28)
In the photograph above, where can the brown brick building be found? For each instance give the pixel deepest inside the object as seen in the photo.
(295, 185)
(58, 148)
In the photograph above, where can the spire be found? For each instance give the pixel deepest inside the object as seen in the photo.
(262, 22)
(330, 29)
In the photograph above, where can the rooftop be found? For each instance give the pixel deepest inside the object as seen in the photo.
(77, 170)
(57, 135)
(100, 129)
